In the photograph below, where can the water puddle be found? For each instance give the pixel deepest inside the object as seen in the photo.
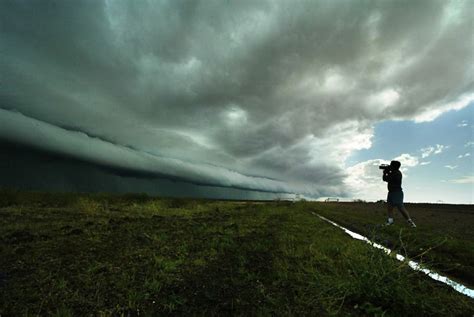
(414, 265)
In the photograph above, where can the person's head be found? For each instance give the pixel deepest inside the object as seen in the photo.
(395, 165)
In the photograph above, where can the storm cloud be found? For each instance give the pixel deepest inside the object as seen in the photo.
(269, 96)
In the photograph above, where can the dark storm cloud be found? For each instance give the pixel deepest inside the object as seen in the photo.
(282, 90)
(48, 172)
(16, 127)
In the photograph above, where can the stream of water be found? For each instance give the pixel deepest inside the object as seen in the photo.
(414, 265)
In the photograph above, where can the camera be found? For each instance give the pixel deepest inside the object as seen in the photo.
(384, 166)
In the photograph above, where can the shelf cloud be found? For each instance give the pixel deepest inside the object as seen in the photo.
(268, 96)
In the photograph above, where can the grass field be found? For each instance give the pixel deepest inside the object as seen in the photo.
(73, 255)
(444, 238)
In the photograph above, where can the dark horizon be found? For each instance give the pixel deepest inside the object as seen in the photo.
(25, 168)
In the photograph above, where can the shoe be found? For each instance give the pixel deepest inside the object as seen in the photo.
(388, 223)
(411, 223)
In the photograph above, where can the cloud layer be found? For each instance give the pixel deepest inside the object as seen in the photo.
(262, 95)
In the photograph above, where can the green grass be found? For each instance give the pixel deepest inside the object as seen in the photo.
(70, 255)
(443, 240)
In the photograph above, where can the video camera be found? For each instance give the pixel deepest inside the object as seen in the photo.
(384, 166)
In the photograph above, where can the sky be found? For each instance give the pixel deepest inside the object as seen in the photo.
(249, 99)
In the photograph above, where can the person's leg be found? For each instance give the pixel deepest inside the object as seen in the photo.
(406, 215)
(390, 214)
(389, 209)
(404, 212)
(402, 209)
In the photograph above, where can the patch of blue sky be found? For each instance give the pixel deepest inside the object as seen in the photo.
(392, 138)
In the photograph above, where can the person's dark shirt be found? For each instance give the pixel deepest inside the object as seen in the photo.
(394, 180)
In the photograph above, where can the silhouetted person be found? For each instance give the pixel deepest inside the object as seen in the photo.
(393, 177)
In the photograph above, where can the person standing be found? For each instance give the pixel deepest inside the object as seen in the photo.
(393, 177)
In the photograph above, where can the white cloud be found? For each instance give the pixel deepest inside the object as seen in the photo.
(464, 155)
(430, 150)
(463, 124)
(425, 163)
(425, 152)
(384, 99)
(440, 148)
(451, 167)
(463, 180)
(469, 144)
(365, 180)
(407, 160)
(342, 140)
(435, 112)
(335, 82)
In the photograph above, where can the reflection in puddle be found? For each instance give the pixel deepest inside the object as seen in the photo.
(414, 265)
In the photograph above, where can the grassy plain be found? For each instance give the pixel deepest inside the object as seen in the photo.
(78, 254)
(443, 239)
